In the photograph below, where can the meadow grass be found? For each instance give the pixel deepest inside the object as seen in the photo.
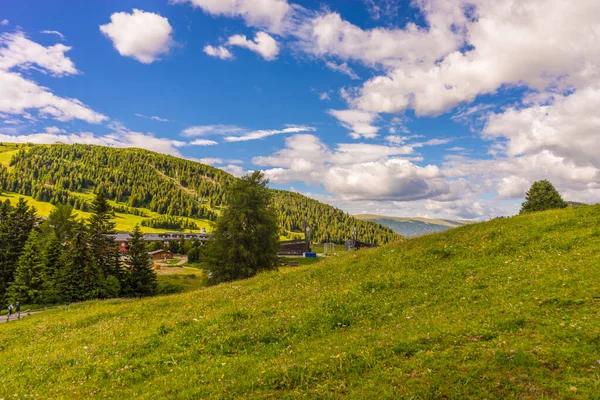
(124, 222)
(503, 309)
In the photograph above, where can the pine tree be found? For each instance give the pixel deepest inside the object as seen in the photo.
(542, 196)
(142, 279)
(14, 232)
(62, 220)
(81, 278)
(101, 226)
(246, 238)
(28, 282)
(53, 264)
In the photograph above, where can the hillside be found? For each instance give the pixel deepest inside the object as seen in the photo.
(143, 186)
(501, 309)
(412, 227)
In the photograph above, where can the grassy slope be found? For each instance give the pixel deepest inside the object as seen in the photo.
(124, 222)
(504, 309)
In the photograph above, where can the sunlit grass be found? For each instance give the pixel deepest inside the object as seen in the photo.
(503, 309)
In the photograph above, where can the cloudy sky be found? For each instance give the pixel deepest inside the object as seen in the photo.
(438, 108)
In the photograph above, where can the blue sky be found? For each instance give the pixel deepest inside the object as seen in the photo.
(439, 108)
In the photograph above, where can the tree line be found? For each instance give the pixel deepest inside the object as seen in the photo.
(167, 185)
(170, 222)
(62, 259)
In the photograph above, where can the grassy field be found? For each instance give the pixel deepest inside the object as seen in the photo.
(124, 222)
(507, 309)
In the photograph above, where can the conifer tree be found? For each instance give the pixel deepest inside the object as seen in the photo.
(14, 232)
(101, 226)
(142, 279)
(28, 282)
(542, 196)
(81, 277)
(52, 260)
(62, 220)
(246, 238)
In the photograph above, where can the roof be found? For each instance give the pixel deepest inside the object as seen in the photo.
(160, 237)
(159, 251)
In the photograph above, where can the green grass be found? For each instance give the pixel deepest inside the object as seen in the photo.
(124, 222)
(181, 280)
(508, 309)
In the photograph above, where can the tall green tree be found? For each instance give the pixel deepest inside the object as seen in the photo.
(62, 220)
(53, 264)
(28, 282)
(542, 196)
(14, 232)
(246, 238)
(101, 226)
(142, 279)
(81, 278)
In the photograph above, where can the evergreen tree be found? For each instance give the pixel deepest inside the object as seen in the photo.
(52, 259)
(62, 220)
(81, 278)
(28, 282)
(101, 227)
(14, 232)
(246, 238)
(142, 279)
(542, 196)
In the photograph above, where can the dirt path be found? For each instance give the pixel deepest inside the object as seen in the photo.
(14, 317)
(180, 263)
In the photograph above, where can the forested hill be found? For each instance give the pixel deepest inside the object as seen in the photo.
(140, 180)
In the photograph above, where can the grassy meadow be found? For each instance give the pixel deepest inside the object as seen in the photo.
(503, 309)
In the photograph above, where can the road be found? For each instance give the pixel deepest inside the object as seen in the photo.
(14, 317)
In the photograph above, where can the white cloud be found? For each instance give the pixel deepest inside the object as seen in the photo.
(203, 142)
(269, 14)
(56, 33)
(360, 123)
(141, 35)
(19, 96)
(152, 117)
(324, 96)
(261, 134)
(219, 52)
(263, 44)
(120, 137)
(357, 171)
(4, 22)
(17, 51)
(343, 68)
(234, 170)
(208, 130)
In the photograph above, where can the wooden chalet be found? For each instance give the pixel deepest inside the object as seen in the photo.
(293, 248)
(160, 255)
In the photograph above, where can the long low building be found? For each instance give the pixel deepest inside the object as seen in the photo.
(124, 237)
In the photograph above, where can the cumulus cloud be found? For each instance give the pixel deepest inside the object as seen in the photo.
(219, 52)
(263, 44)
(20, 96)
(144, 36)
(152, 117)
(17, 51)
(269, 14)
(4, 22)
(360, 123)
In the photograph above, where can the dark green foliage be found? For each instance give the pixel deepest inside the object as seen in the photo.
(15, 226)
(542, 196)
(61, 220)
(81, 278)
(167, 185)
(53, 250)
(101, 226)
(28, 283)
(246, 238)
(142, 279)
(169, 222)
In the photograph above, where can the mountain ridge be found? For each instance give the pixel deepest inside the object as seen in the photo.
(415, 226)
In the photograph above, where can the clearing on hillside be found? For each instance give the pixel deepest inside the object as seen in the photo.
(504, 309)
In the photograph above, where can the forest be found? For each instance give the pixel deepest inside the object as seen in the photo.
(62, 259)
(140, 179)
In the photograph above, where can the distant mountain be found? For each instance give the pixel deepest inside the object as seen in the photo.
(412, 227)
